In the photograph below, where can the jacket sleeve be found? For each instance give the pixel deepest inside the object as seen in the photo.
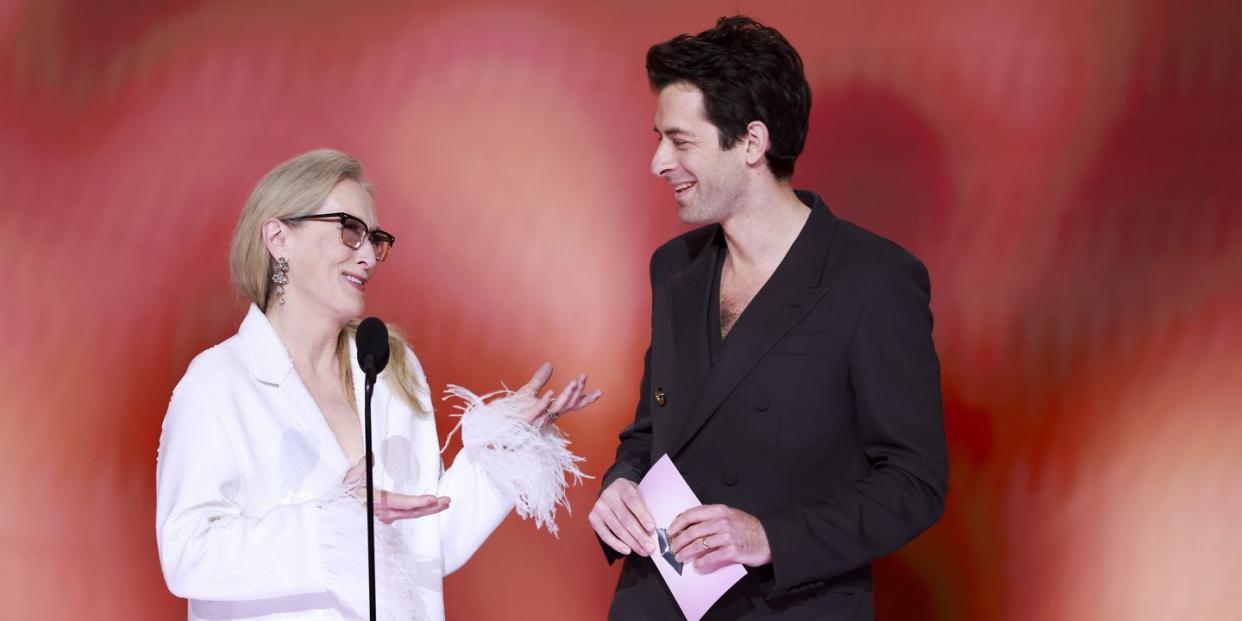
(475, 510)
(208, 548)
(476, 506)
(895, 376)
(634, 452)
(505, 463)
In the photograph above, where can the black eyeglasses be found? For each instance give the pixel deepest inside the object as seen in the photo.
(354, 231)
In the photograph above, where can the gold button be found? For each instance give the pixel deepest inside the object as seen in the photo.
(660, 399)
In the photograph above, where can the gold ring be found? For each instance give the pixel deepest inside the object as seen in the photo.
(703, 542)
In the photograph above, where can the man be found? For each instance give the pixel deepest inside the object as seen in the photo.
(791, 375)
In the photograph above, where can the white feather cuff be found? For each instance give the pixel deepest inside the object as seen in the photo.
(343, 546)
(526, 464)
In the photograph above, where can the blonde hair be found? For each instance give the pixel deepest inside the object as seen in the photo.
(298, 187)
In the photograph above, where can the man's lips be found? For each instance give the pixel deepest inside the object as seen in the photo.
(679, 188)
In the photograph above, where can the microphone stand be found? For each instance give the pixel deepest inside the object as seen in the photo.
(372, 339)
(370, 386)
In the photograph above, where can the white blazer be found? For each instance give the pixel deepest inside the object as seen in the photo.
(251, 520)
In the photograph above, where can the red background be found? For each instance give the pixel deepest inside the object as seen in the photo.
(1071, 172)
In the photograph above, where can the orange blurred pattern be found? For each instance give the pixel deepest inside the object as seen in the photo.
(1070, 172)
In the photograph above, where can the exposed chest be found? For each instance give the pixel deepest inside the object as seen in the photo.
(340, 416)
(737, 290)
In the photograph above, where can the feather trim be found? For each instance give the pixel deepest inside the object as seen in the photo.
(526, 464)
(343, 546)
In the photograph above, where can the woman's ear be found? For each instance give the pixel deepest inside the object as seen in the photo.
(757, 142)
(276, 237)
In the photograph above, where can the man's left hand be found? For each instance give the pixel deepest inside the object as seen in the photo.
(712, 536)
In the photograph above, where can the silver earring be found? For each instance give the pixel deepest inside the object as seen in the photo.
(280, 276)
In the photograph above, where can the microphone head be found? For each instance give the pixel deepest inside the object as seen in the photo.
(372, 340)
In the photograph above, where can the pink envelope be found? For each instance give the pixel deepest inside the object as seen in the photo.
(666, 494)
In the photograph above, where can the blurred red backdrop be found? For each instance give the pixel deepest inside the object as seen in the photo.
(1071, 172)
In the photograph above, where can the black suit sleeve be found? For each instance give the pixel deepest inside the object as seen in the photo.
(895, 376)
(634, 453)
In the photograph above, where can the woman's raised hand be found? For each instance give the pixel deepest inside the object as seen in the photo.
(550, 407)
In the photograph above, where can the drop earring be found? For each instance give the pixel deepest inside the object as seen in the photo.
(280, 277)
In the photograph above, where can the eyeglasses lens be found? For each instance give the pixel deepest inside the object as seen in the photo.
(352, 233)
(381, 245)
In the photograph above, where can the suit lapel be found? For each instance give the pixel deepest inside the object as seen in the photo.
(790, 293)
(689, 296)
(271, 365)
(686, 300)
(307, 416)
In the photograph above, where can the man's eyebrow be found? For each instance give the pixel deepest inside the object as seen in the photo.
(672, 131)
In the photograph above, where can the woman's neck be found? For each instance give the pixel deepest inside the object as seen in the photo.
(311, 341)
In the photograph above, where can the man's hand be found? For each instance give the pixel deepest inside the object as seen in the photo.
(712, 536)
(621, 519)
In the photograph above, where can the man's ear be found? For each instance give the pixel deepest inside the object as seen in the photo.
(276, 237)
(756, 141)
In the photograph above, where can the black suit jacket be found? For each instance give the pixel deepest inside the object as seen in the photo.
(821, 417)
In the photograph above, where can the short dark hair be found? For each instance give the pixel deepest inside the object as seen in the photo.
(747, 72)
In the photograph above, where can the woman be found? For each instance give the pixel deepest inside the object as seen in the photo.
(259, 508)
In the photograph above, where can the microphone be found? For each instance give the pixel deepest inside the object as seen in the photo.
(372, 342)
(372, 339)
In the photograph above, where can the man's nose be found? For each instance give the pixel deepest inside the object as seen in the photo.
(661, 160)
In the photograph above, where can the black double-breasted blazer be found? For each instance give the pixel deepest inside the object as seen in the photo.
(821, 416)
